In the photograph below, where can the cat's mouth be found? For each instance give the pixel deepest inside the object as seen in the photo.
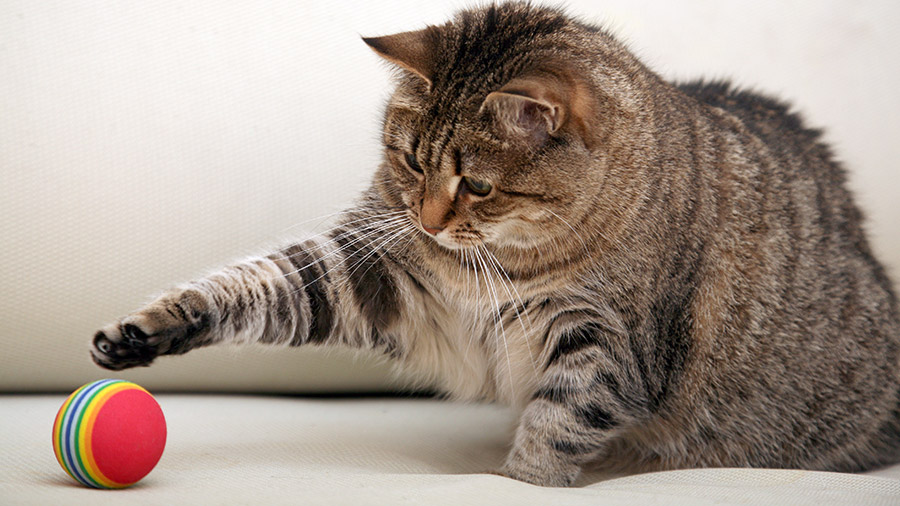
(455, 239)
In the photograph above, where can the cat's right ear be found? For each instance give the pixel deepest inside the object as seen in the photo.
(413, 51)
(526, 110)
(533, 109)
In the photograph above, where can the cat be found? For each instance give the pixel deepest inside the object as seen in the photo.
(656, 276)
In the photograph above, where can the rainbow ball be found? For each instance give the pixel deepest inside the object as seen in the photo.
(109, 434)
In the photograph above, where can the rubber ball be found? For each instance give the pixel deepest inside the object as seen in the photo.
(109, 434)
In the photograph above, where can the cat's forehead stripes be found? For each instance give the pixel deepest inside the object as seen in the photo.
(437, 147)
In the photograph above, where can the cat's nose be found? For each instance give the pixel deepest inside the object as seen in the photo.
(432, 230)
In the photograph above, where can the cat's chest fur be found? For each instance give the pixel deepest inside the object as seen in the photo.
(481, 340)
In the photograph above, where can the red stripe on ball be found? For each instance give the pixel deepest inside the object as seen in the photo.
(129, 436)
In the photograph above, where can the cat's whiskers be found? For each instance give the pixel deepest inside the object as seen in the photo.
(352, 268)
(311, 234)
(320, 242)
(381, 248)
(497, 316)
(387, 233)
(324, 234)
(386, 226)
(322, 218)
(370, 228)
(583, 244)
(467, 300)
(319, 219)
(515, 299)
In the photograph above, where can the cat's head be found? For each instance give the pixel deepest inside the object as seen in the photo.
(492, 134)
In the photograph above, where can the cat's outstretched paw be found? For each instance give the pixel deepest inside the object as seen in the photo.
(173, 324)
(122, 345)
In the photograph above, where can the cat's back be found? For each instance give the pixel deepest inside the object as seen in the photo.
(817, 296)
(804, 188)
(768, 118)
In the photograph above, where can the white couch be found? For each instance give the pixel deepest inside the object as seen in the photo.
(143, 143)
(231, 449)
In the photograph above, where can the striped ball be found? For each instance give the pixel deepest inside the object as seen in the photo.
(109, 434)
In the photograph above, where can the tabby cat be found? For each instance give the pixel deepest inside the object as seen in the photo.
(656, 276)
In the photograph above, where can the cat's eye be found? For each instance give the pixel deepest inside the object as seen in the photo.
(412, 163)
(477, 186)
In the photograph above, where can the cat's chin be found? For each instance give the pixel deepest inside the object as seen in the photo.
(452, 244)
(457, 243)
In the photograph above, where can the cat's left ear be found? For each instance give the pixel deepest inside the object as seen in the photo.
(414, 51)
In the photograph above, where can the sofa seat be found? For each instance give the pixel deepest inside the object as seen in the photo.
(254, 449)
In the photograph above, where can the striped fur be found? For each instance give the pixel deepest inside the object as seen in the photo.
(659, 276)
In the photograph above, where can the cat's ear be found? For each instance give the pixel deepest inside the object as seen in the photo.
(530, 110)
(534, 109)
(414, 51)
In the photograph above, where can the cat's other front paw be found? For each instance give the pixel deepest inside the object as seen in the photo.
(538, 478)
(551, 472)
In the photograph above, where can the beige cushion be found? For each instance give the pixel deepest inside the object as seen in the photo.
(289, 450)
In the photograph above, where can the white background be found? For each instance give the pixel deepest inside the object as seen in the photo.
(144, 143)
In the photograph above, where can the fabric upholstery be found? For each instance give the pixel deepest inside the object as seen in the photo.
(295, 450)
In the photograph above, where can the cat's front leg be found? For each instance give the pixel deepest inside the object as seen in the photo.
(341, 290)
(280, 298)
(592, 387)
(264, 299)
